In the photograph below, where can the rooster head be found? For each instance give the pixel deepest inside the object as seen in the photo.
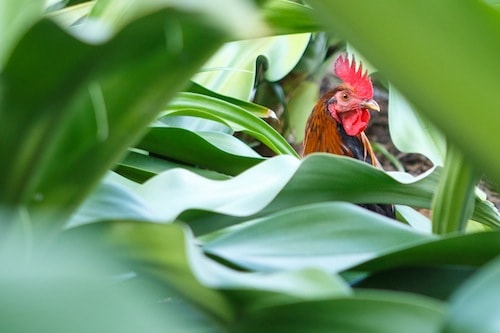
(352, 100)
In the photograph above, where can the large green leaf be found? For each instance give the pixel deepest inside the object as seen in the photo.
(66, 288)
(165, 196)
(325, 177)
(80, 114)
(167, 253)
(331, 236)
(433, 58)
(284, 182)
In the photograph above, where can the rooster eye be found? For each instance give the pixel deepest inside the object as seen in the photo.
(345, 97)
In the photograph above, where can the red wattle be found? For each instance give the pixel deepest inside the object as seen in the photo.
(355, 121)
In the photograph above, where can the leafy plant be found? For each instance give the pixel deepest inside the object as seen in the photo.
(132, 196)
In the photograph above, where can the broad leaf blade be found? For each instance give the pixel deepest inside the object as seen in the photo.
(330, 236)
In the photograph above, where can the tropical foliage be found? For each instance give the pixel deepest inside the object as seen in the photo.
(149, 180)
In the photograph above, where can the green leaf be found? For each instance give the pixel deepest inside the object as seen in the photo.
(111, 201)
(16, 16)
(72, 15)
(231, 71)
(139, 167)
(228, 155)
(411, 133)
(284, 182)
(165, 196)
(330, 236)
(239, 18)
(326, 177)
(454, 199)
(233, 115)
(377, 312)
(256, 109)
(288, 17)
(471, 249)
(418, 221)
(79, 114)
(435, 82)
(473, 308)
(81, 290)
(168, 253)
(299, 107)
(434, 281)
(160, 252)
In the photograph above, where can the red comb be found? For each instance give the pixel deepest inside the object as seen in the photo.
(358, 80)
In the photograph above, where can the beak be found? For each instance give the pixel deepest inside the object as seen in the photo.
(370, 104)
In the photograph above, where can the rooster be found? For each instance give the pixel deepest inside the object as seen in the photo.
(338, 120)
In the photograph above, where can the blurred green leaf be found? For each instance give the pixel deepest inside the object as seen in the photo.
(413, 134)
(74, 289)
(418, 221)
(231, 71)
(435, 82)
(299, 107)
(471, 249)
(72, 15)
(238, 18)
(335, 237)
(167, 253)
(434, 281)
(288, 17)
(79, 114)
(473, 308)
(161, 251)
(112, 201)
(378, 312)
(16, 16)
